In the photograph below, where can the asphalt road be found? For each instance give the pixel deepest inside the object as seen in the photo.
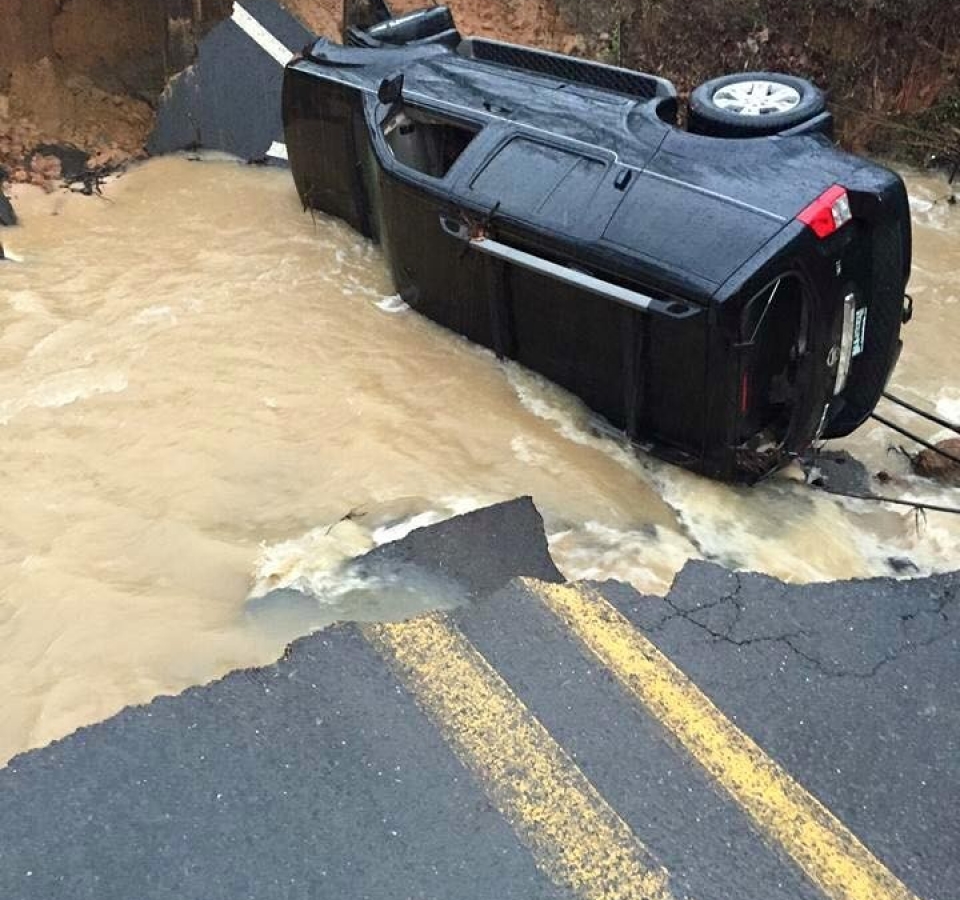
(738, 737)
(229, 99)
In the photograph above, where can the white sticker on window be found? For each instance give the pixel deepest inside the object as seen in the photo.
(859, 330)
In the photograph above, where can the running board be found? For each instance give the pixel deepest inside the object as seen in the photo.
(674, 309)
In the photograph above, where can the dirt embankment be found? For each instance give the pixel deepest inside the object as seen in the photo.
(891, 69)
(89, 72)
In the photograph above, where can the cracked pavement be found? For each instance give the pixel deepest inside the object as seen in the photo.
(853, 686)
(879, 619)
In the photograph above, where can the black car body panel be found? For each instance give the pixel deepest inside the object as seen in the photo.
(549, 208)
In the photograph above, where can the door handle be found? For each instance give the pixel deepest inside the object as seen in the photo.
(454, 227)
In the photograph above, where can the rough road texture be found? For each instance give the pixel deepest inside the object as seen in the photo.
(853, 686)
(320, 776)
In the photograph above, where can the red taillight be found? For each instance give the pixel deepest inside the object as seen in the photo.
(829, 212)
(744, 393)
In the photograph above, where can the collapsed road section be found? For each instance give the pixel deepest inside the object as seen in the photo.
(229, 99)
(738, 737)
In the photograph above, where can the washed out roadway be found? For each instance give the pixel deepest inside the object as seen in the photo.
(737, 738)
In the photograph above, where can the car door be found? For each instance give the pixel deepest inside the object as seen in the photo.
(553, 200)
(573, 312)
(418, 154)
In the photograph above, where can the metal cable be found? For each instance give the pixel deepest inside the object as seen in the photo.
(943, 423)
(918, 505)
(914, 437)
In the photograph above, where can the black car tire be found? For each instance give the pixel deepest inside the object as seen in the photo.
(712, 108)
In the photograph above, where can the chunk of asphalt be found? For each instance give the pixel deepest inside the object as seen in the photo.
(229, 99)
(481, 551)
(837, 471)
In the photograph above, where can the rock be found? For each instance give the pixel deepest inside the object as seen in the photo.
(7, 215)
(73, 160)
(933, 465)
(903, 566)
(109, 159)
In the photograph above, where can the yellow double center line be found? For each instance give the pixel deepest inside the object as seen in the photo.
(830, 854)
(576, 839)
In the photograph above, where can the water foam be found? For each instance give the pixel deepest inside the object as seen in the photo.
(62, 390)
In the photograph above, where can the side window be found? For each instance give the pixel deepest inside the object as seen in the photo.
(426, 142)
(531, 179)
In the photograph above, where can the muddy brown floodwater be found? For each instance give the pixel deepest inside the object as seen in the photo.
(197, 381)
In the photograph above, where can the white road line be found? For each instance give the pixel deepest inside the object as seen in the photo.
(278, 151)
(257, 33)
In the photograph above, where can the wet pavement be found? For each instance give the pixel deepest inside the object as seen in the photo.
(738, 737)
(229, 99)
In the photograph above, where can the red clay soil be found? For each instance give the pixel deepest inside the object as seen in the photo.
(935, 465)
(89, 72)
(891, 70)
(536, 22)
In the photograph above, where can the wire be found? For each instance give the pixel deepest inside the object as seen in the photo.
(943, 423)
(918, 505)
(914, 437)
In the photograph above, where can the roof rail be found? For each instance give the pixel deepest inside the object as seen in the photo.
(569, 68)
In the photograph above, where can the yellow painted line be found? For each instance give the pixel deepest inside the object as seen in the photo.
(576, 839)
(828, 852)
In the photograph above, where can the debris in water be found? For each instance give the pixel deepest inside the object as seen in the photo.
(902, 566)
(8, 216)
(933, 464)
(836, 470)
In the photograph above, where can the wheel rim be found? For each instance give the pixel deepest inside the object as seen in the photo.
(756, 98)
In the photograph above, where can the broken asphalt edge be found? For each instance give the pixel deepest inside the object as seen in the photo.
(488, 549)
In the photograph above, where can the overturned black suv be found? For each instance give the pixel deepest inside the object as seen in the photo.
(726, 294)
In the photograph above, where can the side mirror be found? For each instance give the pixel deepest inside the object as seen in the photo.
(390, 90)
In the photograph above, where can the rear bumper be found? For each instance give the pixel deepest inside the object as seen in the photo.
(879, 343)
(868, 261)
